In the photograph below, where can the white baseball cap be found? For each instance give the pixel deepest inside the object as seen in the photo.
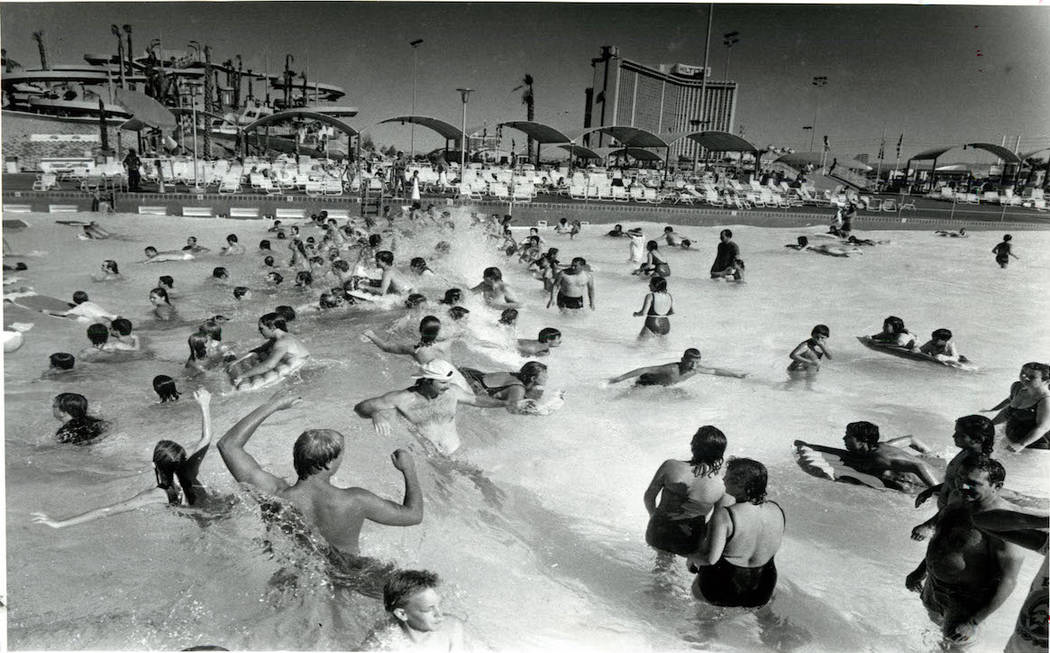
(436, 369)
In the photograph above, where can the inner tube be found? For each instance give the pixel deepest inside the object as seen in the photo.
(266, 379)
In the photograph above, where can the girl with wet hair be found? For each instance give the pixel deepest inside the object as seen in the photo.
(894, 333)
(163, 309)
(688, 491)
(453, 296)
(78, 427)
(175, 470)
(165, 388)
(220, 273)
(109, 271)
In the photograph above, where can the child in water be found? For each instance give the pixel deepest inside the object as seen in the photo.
(77, 426)
(806, 356)
(894, 333)
(941, 347)
(416, 620)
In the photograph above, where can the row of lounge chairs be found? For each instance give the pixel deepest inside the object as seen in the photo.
(1032, 197)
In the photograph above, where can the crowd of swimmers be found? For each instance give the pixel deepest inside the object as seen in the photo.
(711, 510)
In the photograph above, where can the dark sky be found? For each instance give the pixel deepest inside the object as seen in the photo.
(899, 68)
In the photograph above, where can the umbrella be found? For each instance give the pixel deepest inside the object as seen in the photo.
(145, 111)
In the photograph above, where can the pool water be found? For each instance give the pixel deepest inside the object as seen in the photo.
(536, 524)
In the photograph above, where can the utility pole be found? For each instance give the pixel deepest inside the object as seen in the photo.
(464, 94)
(207, 98)
(819, 82)
(729, 40)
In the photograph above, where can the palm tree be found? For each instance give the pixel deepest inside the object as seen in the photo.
(38, 36)
(529, 100)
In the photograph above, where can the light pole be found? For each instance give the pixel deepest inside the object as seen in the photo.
(464, 94)
(412, 142)
(819, 82)
(729, 39)
(193, 126)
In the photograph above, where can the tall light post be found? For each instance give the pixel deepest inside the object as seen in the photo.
(464, 94)
(729, 39)
(703, 79)
(412, 142)
(820, 82)
(193, 126)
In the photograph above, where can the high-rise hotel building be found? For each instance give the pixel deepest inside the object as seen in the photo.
(664, 100)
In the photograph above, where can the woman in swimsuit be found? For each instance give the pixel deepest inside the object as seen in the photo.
(176, 473)
(653, 264)
(511, 387)
(163, 309)
(894, 333)
(656, 308)
(806, 356)
(285, 355)
(1027, 410)
(689, 492)
(205, 353)
(734, 564)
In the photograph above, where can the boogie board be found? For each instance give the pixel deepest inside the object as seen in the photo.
(31, 300)
(829, 466)
(914, 354)
(544, 406)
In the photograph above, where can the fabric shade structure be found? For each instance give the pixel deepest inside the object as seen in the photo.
(580, 151)
(634, 152)
(302, 114)
(146, 113)
(801, 159)
(631, 136)
(540, 132)
(718, 141)
(998, 150)
(447, 131)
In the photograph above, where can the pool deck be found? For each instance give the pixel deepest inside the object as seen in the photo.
(17, 196)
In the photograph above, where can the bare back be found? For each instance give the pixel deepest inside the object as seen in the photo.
(757, 533)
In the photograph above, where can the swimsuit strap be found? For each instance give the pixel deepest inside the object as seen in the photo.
(783, 514)
(732, 521)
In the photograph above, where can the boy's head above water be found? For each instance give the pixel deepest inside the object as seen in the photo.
(411, 597)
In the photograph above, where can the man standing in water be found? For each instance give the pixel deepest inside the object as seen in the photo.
(570, 285)
(337, 513)
(968, 572)
(429, 405)
(725, 258)
(674, 373)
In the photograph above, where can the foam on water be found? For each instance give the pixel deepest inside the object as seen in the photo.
(537, 524)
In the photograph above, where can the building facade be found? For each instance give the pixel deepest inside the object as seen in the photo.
(663, 100)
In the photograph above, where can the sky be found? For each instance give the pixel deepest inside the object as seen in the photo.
(899, 68)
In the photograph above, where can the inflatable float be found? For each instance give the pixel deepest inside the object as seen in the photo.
(12, 340)
(33, 301)
(266, 379)
(914, 354)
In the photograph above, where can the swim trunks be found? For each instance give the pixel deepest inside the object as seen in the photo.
(564, 301)
(947, 603)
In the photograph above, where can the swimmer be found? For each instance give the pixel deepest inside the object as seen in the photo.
(326, 302)
(941, 347)
(419, 266)
(673, 238)
(495, 291)
(415, 301)
(1026, 411)
(569, 286)
(220, 274)
(429, 406)
(975, 437)
(562, 227)
(802, 243)
(430, 345)
(337, 513)
(416, 620)
(674, 373)
(268, 262)
(233, 247)
(617, 232)
(688, 491)
(452, 297)
(165, 388)
(167, 283)
(85, 310)
(98, 335)
(109, 271)
(953, 234)
(548, 338)
(121, 337)
(163, 309)
(77, 427)
(894, 466)
(275, 227)
(153, 256)
(734, 564)
(60, 363)
(653, 264)
(509, 317)
(966, 573)
(867, 242)
(242, 293)
(274, 279)
(575, 229)
(806, 356)
(176, 470)
(1003, 251)
(192, 247)
(657, 306)
(264, 246)
(510, 388)
(894, 333)
(285, 355)
(728, 252)
(205, 353)
(94, 231)
(392, 281)
(834, 250)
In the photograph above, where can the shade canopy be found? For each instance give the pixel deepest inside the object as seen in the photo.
(719, 141)
(145, 111)
(542, 133)
(630, 136)
(998, 150)
(635, 153)
(281, 116)
(801, 159)
(580, 151)
(446, 130)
